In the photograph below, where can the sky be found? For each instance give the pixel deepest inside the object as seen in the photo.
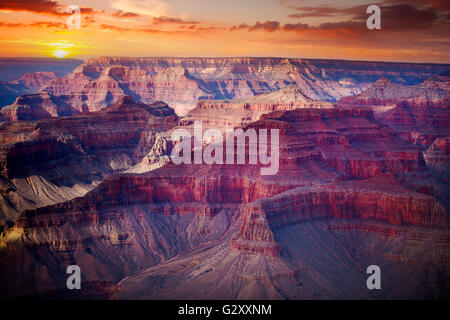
(411, 31)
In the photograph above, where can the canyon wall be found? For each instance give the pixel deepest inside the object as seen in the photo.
(182, 82)
(53, 160)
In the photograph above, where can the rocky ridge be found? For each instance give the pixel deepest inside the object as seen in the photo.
(182, 82)
(137, 220)
(56, 159)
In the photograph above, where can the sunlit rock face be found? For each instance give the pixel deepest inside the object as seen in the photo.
(53, 160)
(182, 82)
(420, 112)
(27, 75)
(363, 179)
(343, 179)
(28, 83)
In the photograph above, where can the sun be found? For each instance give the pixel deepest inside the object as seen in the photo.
(60, 53)
(61, 48)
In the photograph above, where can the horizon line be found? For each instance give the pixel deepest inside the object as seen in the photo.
(217, 57)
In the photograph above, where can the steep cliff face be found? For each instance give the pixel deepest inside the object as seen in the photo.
(352, 141)
(419, 113)
(181, 82)
(233, 114)
(314, 242)
(240, 112)
(134, 221)
(36, 106)
(381, 200)
(441, 81)
(27, 75)
(420, 124)
(137, 221)
(30, 82)
(319, 260)
(57, 159)
(119, 126)
(355, 185)
(384, 93)
(438, 154)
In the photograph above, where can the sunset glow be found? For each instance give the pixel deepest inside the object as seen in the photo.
(61, 53)
(416, 31)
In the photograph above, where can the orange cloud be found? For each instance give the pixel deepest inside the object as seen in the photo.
(37, 6)
(415, 30)
(48, 7)
(170, 20)
(122, 14)
(37, 24)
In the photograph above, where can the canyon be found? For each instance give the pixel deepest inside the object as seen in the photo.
(181, 82)
(26, 75)
(87, 179)
(60, 158)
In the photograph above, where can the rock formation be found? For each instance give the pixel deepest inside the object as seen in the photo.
(361, 181)
(338, 165)
(48, 161)
(28, 83)
(420, 113)
(182, 82)
(384, 93)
